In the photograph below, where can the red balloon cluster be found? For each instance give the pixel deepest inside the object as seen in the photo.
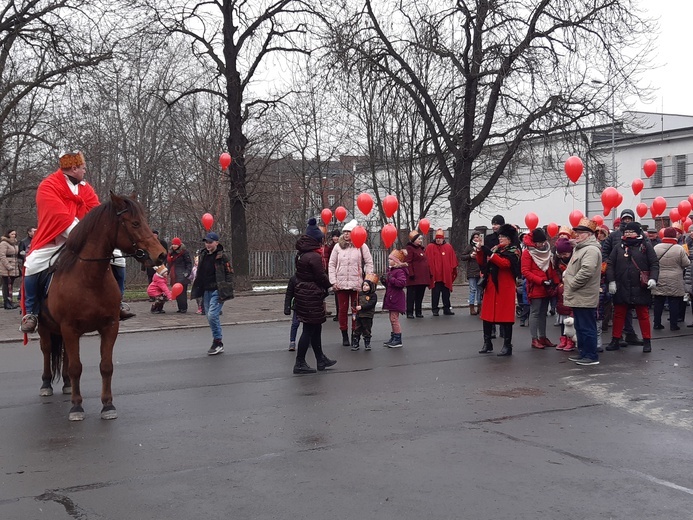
(340, 213)
(573, 168)
(389, 235)
(365, 203)
(531, 220)
(224, 160)
(207, 221)
(359, 236)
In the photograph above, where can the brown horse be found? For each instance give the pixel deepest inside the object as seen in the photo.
(84, 295)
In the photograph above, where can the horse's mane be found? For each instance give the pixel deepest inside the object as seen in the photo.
(90, 228)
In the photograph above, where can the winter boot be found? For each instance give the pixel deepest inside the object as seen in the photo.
(562, 343)
(355, 340)
(301, 367)
(387, 343)
(366, 343)
(537, 344)
(324, 362)
(396, 341)
(546, 342)
(488, 346)
(472, 310)
(646, 345)
(345, 339)
(614, 345)
(507, 350)
(569, 346)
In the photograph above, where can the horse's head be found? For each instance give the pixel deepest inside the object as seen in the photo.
(134, 236)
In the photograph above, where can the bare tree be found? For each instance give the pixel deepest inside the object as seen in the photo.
(500, 72)
(234, 39)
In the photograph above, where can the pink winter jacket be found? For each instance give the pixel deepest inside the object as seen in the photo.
(158, 287)
(345, 269)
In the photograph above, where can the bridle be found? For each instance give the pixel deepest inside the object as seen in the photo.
(139, 254)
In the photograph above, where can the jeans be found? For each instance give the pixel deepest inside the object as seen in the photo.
(30, 290)
(586, 331)
(537, 317)
(294, 327)
(213, 307)
(119, 275)
(474, 291)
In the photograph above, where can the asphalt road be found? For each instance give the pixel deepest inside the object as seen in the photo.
(432, 430)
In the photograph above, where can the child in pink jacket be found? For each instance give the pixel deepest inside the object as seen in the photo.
(159, 290)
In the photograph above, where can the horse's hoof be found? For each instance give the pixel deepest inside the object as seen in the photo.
(108, 412)
(46, 391)
(67, 390)
(76, 413)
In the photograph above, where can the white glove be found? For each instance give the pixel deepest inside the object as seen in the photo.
(612, 287)
(651, 284)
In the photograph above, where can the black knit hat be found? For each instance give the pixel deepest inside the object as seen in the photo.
(336, 233)
(498, 219)
(538, 235)
(634, 226)
(627, 213)
(313, 231)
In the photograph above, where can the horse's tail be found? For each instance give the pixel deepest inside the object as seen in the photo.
(56, 356)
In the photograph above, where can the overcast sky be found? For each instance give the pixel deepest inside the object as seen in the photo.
(673, 78)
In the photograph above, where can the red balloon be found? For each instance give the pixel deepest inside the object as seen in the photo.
(641, 209)
(176, 290)
(610, 197)
(637, 185)
(552, 229)
(619, 199)
(684, 208)
(531, 220)
(687, 224)
(424, 226)
(573, 168)
(390, 205)
(365, 203)
(575, 217)
(207, 221)
(326, 216)
(598, 219)
(340, 213)
(224, 160)
(650, 167)
(606, 211)
(674, 215)
(659, 205)
(388, 234)
(661, 232)
(690, 199)
(358, 236)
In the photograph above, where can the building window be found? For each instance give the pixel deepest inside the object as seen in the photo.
(331, 199)
(657, 177)
(599, 178)
(680, 162)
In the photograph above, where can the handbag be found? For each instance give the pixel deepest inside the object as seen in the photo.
(644, 275)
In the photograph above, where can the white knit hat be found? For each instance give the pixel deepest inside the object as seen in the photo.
(350, 225)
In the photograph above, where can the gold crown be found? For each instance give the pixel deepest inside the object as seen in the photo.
(565, 230)
(399, 254)
(585, 224)
(371, 277)
(71, 160)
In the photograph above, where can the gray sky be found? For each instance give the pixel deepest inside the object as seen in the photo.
(673, 78)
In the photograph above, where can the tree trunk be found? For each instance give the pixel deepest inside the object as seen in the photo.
(460, 205)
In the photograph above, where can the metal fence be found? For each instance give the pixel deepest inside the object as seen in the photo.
(279, 265)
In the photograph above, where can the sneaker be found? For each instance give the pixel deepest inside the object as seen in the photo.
(587, 361)
(367, 347)
(29, 323)
(292, 346)
(575, 359)
(355, 348)
(216, 348)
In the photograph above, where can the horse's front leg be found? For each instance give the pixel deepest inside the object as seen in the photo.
(74, 370)
(108, 339)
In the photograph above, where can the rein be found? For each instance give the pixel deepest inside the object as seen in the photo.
(139, 254)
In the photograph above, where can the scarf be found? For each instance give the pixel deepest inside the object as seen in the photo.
(511, 253)
(541, 257)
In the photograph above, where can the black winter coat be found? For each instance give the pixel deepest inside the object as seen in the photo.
(223, 273)
(620, 269)
(311, 282)
(179, 265)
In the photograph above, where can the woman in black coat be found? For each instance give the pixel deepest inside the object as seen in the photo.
(633, 256)
(309, 294)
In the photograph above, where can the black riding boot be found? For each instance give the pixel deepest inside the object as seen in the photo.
(507, 349)
(488, 346)
(345, 338)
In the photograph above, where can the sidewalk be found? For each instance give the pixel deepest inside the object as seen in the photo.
(246, 307)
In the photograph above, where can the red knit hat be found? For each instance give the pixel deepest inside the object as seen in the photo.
(176, 242)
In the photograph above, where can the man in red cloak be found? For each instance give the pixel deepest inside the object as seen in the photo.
(442, 262)
(62, 200)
